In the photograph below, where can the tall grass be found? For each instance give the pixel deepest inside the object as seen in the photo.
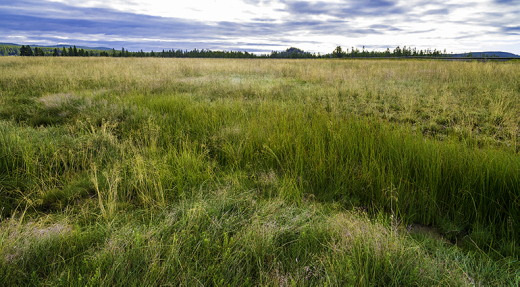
(202, 172)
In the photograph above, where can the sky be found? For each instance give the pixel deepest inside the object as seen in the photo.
(262, 26)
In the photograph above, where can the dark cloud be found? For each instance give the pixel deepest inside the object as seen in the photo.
(420, 31)
(442, 11)
(507, 2)
(511, 30)
(97, 21)
(347, 9)
(471, 35)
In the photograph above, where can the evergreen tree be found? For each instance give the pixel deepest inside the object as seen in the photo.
(64, 52)
(26, 51)
(55, 53)
(338, 52)
(397, 52)
(38, 52)
(29, 51)
(23, 51)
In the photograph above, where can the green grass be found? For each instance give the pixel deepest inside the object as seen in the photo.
(259, 172)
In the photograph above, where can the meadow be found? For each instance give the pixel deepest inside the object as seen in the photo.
(197, 172)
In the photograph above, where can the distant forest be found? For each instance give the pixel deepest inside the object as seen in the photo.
(290, 53)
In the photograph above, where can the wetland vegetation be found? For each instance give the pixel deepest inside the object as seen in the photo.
(133, 171)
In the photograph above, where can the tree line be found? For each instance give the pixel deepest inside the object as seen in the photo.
(397, 52)
(290, 53)
(56, 52)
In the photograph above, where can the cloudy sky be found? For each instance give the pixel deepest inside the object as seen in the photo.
(265, 25)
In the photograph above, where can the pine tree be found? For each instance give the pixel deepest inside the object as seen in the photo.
(55, 52)
(64, 52)
(397, 52)
(23, 51)
(26, 51)
(38, 52)
(338, 52)
(29, 51)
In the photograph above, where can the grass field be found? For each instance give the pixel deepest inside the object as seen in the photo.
(259, 172)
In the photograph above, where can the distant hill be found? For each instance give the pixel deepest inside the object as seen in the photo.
(59, 46)
(494, 54)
